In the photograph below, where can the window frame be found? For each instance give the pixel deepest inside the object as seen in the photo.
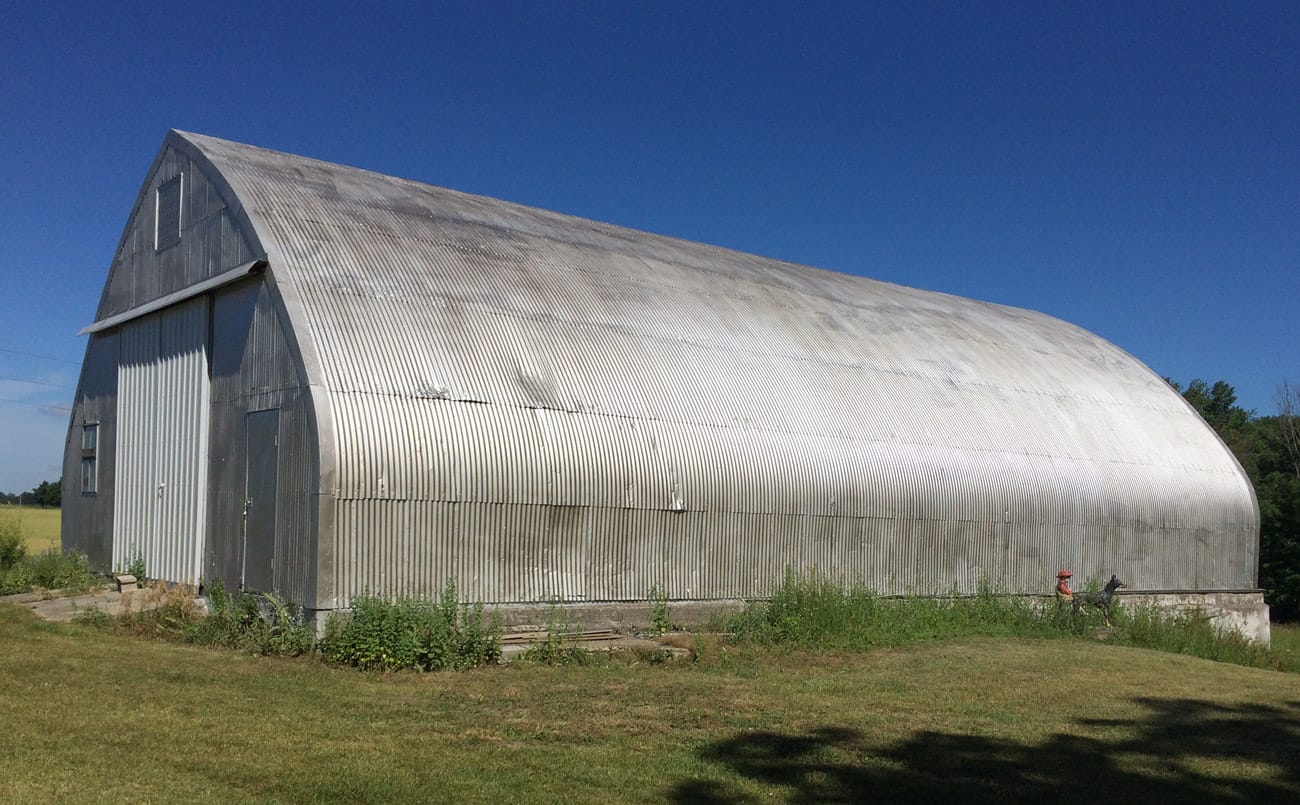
(165, 240)
(90, 458)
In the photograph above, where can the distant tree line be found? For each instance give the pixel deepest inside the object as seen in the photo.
(1268, 448)
(47, 493)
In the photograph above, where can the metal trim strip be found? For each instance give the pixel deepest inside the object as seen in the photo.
(224, 278)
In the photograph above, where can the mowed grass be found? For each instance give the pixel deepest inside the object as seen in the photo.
(1286, 641)
(89, 716)
(40, 527)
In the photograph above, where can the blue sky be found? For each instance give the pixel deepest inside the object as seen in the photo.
(1133, 168)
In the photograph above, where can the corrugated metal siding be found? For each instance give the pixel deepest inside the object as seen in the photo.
(522, 462)
(210, 241)
(540, 405)
(299, 478)
(252, 370)
(162, 441)
(87, 519)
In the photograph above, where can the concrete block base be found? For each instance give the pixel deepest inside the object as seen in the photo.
(1242, 611)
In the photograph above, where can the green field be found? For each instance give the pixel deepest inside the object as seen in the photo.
(40, 527)
(93, 716)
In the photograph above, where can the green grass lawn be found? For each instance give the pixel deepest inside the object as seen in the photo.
(40, 527)
(93, 716)
(1286, 640)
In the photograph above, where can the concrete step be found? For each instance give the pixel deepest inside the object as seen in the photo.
(53, 606)
(521, 640)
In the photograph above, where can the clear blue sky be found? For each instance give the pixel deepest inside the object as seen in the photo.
(1133, 168)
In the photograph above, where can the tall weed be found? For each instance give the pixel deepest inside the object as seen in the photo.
(260, 624)
(160, 611)
(809, 611)
(1191, 632)
(559, 646)
(393, 634)
(660, 620)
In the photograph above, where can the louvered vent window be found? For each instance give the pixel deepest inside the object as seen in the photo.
(168, 231)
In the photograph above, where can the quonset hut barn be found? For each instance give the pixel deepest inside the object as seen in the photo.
(321, 381)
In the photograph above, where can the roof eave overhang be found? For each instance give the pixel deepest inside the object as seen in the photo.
(212, 283)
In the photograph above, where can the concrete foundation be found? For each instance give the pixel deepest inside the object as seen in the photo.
(1242, 611)
(53, 605)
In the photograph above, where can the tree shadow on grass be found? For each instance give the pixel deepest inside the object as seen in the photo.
(1179, 750)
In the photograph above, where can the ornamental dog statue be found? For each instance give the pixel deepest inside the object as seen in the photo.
(1100, 600)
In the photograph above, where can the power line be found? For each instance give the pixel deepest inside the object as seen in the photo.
(34, 355)
(34, 382)
(28, 403)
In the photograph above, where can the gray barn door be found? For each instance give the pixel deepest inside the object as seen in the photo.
(260, 499)
(162, 443)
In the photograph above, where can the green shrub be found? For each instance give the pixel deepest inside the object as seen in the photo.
(51, 570)
(136, 568)
(16, 579)
(478, 643)
(12, 548)
(54, 570)
(406, 633)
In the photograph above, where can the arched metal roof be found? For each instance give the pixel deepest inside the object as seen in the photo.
(468, 349)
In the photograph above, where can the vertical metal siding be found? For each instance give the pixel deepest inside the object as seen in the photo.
(87, 524)
(210, 242)
(253, 371)
(161, 461)
(133, 516)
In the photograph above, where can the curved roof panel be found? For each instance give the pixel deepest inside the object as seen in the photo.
(630, 370)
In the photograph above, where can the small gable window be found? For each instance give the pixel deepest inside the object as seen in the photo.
(167, 219)
(89, 456)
